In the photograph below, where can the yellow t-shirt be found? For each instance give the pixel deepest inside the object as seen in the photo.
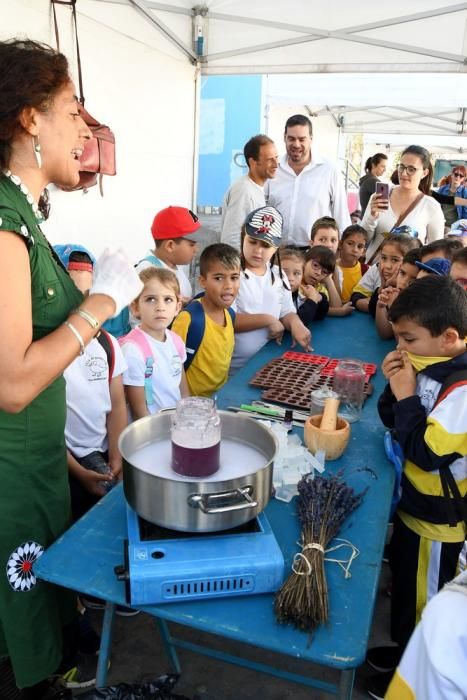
(351, 276)
(210, 366)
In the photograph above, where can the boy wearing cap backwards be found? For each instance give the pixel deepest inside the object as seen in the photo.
(264, 302)
(96, 409)
(209, 337)
(434, 266)
(174, 230)
(425, 403)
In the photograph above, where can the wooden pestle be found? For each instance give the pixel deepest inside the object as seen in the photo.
(329, 419)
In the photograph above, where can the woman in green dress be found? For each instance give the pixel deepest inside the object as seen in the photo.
(44, 325)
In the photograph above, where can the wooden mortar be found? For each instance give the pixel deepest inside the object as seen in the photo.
(327, 432)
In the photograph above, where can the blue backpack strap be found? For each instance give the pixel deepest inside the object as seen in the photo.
(195, 331)
(196, 328)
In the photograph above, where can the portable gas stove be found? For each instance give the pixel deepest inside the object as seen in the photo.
(167, 566)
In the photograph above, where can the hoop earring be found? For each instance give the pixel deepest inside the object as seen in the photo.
(37, 151)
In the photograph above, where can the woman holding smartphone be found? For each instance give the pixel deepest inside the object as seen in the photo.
(408, 203)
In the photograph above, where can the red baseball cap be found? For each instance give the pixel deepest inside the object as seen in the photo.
(175, 222)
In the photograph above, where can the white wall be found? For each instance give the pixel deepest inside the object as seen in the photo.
(144, 90)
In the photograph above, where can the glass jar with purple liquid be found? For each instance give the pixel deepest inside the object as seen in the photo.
(349, 384)
(196, 437)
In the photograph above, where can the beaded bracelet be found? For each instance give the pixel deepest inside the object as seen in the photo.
(92, 320)
(77, 335)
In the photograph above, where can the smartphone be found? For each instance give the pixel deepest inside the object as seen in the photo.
(382, 188)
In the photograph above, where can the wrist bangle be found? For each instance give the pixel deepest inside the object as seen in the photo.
(92, 320)
(77, 335)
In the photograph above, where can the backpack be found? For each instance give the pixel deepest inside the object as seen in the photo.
(137, 337)
(103, 338)
(456, 505)
(197, 327)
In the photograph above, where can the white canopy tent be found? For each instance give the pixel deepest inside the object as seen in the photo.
(374, 67)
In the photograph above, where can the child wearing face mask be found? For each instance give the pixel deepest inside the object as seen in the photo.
(264, 306)
(425, 404)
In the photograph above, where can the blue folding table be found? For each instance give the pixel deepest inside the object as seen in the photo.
(84, 558)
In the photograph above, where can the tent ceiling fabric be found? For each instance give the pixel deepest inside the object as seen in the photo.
(404, 65)
(267, 37)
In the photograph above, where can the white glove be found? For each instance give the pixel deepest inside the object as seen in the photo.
(115, 276)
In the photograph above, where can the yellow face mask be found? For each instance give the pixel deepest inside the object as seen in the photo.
(420, 362)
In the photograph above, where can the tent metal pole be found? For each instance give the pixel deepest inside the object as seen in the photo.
(325, 34)
(142, 8)
(196, 118)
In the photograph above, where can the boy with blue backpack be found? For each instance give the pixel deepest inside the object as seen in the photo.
(206, 325)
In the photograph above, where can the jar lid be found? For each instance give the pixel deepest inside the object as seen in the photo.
(323, 394)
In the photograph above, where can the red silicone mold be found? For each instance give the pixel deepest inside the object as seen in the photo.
(305, 357)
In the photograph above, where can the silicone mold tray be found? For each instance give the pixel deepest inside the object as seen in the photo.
(291, 381)
(286, 373)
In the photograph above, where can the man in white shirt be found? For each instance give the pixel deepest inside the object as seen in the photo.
(247, 193)
(306, 186)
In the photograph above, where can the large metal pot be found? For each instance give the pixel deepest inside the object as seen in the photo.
(196, 505)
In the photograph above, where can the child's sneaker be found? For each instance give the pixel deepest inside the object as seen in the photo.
(82, 674)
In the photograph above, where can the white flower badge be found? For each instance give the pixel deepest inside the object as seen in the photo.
(19, 566)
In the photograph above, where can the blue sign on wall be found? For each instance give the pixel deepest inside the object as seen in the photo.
(230, 114)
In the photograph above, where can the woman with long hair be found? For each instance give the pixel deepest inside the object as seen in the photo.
(375, 167)
(409, 203)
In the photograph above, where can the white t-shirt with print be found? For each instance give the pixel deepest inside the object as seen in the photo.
(88, 398)
(259, 295)
(167, 372)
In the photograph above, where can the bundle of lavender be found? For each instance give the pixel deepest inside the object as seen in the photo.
(323, 505)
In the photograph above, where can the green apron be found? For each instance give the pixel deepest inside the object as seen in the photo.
(34, 493)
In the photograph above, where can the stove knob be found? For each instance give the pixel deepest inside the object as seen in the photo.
(121, 573)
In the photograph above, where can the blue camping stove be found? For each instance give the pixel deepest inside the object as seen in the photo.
(167, 566)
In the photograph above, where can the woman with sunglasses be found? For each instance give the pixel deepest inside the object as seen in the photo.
(409, 203)
(454, 188)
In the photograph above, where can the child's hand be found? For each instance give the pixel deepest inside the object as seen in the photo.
(346, 309)
(392, 363)
(387, 295)
(308, 291)
(116, 465)
(276, 331)
(94, 482)
(404, 381)
(301, 335)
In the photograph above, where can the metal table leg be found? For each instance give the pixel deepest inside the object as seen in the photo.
(168, 644)
(106, 643)
(346, 684)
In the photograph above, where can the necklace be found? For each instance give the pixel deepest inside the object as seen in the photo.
(22, 187)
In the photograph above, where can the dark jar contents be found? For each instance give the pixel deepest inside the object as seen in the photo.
(195, 461)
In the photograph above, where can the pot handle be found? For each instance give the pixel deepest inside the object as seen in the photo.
(201, 500)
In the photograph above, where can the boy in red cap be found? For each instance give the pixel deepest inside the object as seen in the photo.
(174, 230)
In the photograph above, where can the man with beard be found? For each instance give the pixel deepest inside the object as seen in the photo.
(306, 186)
(247, 193)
